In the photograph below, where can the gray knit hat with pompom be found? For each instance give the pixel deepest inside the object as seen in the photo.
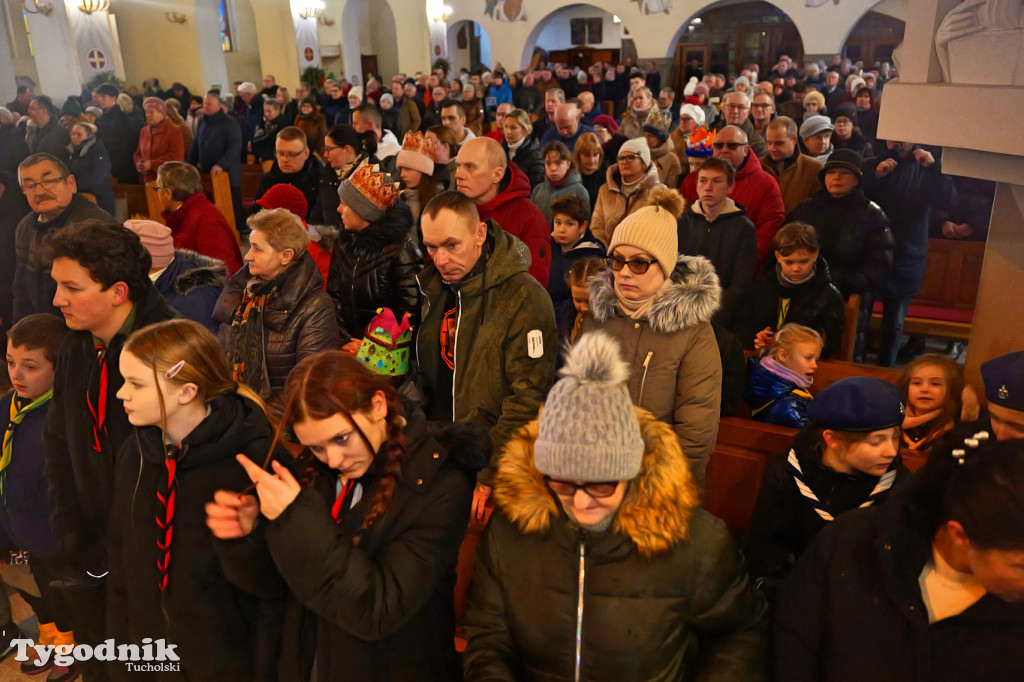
(588, 430)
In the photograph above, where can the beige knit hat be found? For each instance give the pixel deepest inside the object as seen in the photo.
(653, 228)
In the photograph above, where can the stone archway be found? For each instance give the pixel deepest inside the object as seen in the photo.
(469, 46)
(554, 33)
(368, 29)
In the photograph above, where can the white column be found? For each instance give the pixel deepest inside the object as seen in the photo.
(56, 60)
(8, 86)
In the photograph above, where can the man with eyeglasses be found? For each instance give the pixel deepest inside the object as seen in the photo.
(762, 111)
(736, 112)
(295, 166)
(46, 135)
(51, 192)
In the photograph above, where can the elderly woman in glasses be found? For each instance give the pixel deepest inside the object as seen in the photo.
(599, 563)
(631, 179)
(659, 306)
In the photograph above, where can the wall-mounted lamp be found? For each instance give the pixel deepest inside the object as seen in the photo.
(90, 6)
(438, 12)
(312, 9)
(175, 17)
(615, 19)
(43, 8)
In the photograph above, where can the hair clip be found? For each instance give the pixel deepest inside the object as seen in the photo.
(173, 371)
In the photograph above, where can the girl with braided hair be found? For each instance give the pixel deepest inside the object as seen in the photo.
(368, 541)
(166, 577)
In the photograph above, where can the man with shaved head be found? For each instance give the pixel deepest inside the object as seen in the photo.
(754, 189)
(501, 192)
(567, 126)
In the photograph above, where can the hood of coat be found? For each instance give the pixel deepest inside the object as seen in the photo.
(729, 208)
(752, 166)
(693, 297)
(764, 386)
(668, 146)
(647, 182)
(822, 275)
(197, 271)
(655, 512)
(392, 228)
(515, 184)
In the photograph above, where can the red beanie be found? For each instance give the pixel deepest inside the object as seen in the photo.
(287, 196)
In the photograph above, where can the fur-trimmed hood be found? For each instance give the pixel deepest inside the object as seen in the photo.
(199, 271)
(693, 297)
(326, 236)
(655, 513)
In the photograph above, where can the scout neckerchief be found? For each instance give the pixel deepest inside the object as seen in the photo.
(885, 482)
(18, 412)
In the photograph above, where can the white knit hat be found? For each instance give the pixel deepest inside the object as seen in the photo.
(638, 145)
(694, 112)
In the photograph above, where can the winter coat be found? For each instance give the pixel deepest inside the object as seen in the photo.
(81, 478)
(729, 242)
(676, 365)
(545, 194)
(307, 181)
(264, 139)
(336, 110)
(528, 159)
(529, 99)
(587, 246)
(669, 166)
(158, 144)
(613, 205)
(410, 115)
(513, 211)
(666, 595)
(192, 284)
(375, 268)
(797, 177)
(324, 211)
(52, 138)
(907, 196)
(215, 625)
(299, 320)
(199, 226)
(218, 142)
(857, 143)
(322, 239)
(505, 341)
(24, 508)
(784, 523)
(90, 165)
(632, 123)
(815, 303)
(13, 148)
(852, 610)
(120, 134)
(33, 288)
(758, 192)
(382, 609)
(773, 399)
(592, 183)
(853, 236)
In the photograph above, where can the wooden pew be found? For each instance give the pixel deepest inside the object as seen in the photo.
(851, 310)
(218, 189)
(135, 197)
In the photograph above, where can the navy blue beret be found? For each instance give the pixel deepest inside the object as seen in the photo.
(858, 404)
(1004, 380)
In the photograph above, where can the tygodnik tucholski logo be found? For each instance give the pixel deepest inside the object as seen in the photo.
(152, 656)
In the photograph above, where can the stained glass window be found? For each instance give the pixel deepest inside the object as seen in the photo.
(225, 26)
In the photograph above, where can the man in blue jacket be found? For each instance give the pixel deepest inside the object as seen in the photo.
(217, 148)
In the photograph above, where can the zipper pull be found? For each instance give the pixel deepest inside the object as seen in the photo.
(647, 360)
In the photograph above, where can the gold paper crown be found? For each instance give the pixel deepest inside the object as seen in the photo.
(375, 185)
(419, 143)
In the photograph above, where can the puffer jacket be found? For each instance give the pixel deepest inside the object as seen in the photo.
(375, 268)
(815, 303)
(545, 193)
(666, 595)
(192, 284)
(325, 210)
(668, 163)
(676, 364)
(773, 399)
(198, 225)
(613, 205)
(853, 236)
(528, 159)
(513, 211)
(299, 320)
(505, 342)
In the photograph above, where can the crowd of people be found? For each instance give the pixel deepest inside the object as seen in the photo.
(270, 459)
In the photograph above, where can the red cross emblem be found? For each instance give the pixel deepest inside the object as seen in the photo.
(96, 58)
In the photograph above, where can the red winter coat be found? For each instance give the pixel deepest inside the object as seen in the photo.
(159, 144)
(199, 226)
(513, 211)
(759, 195)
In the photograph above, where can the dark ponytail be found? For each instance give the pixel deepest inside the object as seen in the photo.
(369, 139)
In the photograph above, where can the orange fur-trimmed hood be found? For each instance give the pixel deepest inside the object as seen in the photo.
(655, 512)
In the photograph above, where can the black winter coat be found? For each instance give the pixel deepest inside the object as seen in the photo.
(306, 181)
(215, 625)
(13, 149)
(13, 207)
(325, 210)
(529, 160)
(265, 136)
(192, 284)
(218, 142)
(298, 320)
(593, 182)
(90, 164)
(852, 611)
(52, 138)
(784, 523)
(853, 236)
(81, 478)
(815, 303)
(120, 134)
(381, 610)
(373, 268)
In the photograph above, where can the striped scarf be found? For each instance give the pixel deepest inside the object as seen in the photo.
(245, 348)
(885, 482)
(18, 412)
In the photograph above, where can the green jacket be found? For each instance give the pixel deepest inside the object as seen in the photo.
(505, 344)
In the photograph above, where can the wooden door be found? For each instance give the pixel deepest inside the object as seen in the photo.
(369, 64)
(686, 53)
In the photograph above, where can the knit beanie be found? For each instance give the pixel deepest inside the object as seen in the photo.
(156, 238)
(387, 98)
(842, 159)
(95, 111)
(283, 195)
(417, 153)
(813, 125)
(608, 122)
(701, 89)
(588, 430)
(653, 228)
(369, 192)
(71, 108)
(694, 112)
(638, 146)
(742, 80)
(356, 91)
(156, 103)
(690, 85)
(849, 110)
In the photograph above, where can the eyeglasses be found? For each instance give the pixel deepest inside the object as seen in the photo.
(628, 157)
(637, 266)
(289, 155)
(328, 149)
(48, 183)
(595, 490)
(161, 188)
(728, 145)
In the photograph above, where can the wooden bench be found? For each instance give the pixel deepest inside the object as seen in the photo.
(217, 188)
(135, 198)
(945, 306)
